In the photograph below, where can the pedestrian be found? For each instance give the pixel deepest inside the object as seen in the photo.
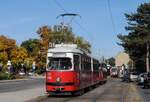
(33, 67)
(11, 69)
(24, 69)
(8, 66)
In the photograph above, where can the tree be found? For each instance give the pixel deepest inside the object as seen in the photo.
(83, 44)
(18, 57)
(137, 42)
(6, 45)
(60, 34)
(45, 33)
(32, 46)
(3, 57)
(111, 61)
(28, 63)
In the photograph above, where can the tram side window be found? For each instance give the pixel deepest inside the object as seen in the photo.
(95, 65)
(82, 63)
(87, 64)
(76, 62)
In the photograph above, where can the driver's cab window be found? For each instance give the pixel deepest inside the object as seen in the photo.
(76, 62)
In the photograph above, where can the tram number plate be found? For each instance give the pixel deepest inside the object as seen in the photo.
(58, 89)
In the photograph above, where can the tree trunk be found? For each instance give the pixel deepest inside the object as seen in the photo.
(147, 57)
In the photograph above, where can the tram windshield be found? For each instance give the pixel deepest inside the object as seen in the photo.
(59, 64)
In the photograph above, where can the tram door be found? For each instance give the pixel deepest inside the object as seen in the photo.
(77, 68)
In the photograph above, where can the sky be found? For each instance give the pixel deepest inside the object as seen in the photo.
(20, 19)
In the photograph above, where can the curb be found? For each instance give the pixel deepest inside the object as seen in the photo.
(38, 98)
(17, 80)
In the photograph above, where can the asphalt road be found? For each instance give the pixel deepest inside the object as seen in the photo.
(6, 87)
(145, 94)
(113, 91)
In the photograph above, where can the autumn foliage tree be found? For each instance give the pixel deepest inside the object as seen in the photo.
(10, 51)
(6, 45)
(18, 56)
(61, 34)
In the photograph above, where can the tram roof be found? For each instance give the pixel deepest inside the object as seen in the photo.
(71, 48)
(65, 48)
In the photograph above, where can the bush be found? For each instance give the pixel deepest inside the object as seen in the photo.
(40, 70)
(4, 76)
(16, 76)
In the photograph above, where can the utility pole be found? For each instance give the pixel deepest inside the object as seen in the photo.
(132, 64)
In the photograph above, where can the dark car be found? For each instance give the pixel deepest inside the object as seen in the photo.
(126, 76)
(147, 80)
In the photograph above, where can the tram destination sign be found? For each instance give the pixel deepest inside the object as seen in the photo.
(59, 54)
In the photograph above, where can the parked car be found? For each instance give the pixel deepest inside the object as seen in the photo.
(30, 73)
(133, 76)
(147, 80)
(140, 79)
(21, 73)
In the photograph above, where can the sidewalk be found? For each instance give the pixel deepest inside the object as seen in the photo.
(23, 95)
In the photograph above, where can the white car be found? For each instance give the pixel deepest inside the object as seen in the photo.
(21, 73)
(141, 78)
(30, 73)
(133, 76)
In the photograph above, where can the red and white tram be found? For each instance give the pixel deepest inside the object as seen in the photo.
(70, 69)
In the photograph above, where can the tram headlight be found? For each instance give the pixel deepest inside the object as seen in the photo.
(58, 79)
